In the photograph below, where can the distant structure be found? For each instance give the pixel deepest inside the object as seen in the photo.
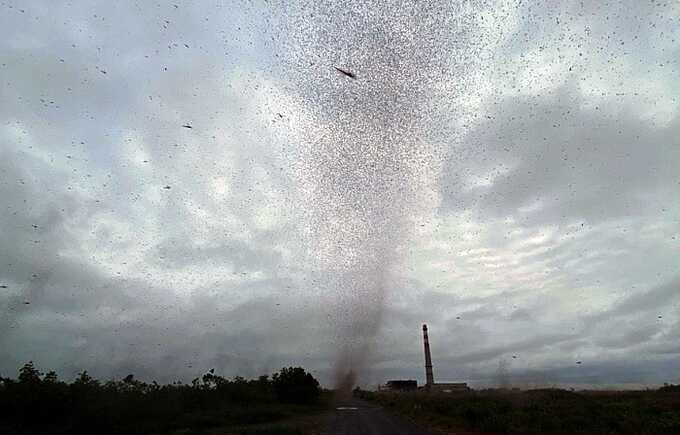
(429, 375)
(450, 387)
(401, 385)
(430, 385)
(407, 385)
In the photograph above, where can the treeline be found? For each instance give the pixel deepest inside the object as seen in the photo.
(670, 388)
(41, 403)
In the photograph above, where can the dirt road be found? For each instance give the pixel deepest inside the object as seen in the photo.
(357, 417)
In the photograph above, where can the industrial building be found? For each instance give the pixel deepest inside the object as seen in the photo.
(430, 384)
(401, 385)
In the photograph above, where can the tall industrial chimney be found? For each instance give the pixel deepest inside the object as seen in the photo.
(428, 359)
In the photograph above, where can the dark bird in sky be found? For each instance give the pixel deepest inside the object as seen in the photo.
(187, 126)
(347, 73)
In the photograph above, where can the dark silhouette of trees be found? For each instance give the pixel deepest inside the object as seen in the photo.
(51, 377)
(670, 388)
(28, 374)
(294, 384)
(37, 403)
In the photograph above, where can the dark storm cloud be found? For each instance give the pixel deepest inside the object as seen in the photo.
(630, 336)
(577, 163)
(653, 299)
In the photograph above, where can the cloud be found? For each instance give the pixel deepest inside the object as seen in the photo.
(556, 161)
(505, 173)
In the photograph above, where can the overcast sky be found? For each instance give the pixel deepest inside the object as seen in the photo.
(192, 185)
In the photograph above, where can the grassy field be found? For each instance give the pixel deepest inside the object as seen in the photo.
(538, 411)
(270, 419)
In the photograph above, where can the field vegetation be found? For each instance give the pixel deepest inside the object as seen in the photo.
(539, 411)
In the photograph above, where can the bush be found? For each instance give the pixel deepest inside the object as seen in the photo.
(37, 403)
(295, 385)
